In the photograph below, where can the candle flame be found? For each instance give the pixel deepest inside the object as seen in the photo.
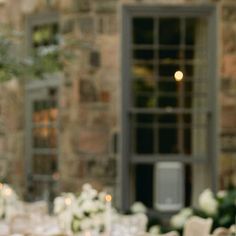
(108, 198)
(68, 201)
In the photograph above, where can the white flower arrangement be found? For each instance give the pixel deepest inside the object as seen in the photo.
(85, 212)
(8, 198)
(208, 203)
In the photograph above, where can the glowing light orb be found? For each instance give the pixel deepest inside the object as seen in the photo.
(178, 75)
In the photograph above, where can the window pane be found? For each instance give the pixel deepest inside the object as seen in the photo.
(144, 141)
(188, 141)
(40, 137)
(143, 31)
(168, 69)
(190, 31)
(144, 100)
(189, 70)
(143, 55)
(168, 140)
(144, 192)
(167, 101)
(189, 54)
(44, 164)
(167, 86)
(169, 54)
(169, 31)
(52, 139)
(167, 118)
(45, 35)
(143, 71)
(144, 118)
(143, 93)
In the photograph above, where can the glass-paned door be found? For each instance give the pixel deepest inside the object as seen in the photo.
(169, 97)
(42, 142)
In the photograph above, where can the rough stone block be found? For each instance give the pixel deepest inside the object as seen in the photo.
(83, 5)
(68, 26)
(229, 69)
(95, 59)
(87, 90)
(86, 25)
(106, 6)
(92, 141)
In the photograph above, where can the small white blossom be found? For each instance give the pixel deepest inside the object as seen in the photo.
(86, 187)
(208, 203)
(187, 212)
(59, 205)
(45, 50)
(138, 207)
(155, 230)
(222, 194)
(177, 221)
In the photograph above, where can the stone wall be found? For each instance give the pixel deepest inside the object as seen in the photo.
(12, 167)
(228, 94)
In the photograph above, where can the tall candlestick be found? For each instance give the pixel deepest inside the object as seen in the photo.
(108, 214)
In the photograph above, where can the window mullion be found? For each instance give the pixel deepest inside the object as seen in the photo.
(156, 73)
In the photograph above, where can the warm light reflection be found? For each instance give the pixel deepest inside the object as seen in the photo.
(68, 201)
(108, 198)
(8, 192)
(178, 75)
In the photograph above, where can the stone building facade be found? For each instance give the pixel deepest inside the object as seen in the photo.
(90, 93)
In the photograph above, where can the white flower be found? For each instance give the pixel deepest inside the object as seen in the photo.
(155, 230)
(93, 193)
(86, 187)
(45, 50)
(88, 206)
(64, 202)
(208, 203)
(102, 196)
(177, 221)
(138, 207)
(65, 220)
(222, 194)
(86, 224)
(59, 205)
(187, 212)
(8, 194)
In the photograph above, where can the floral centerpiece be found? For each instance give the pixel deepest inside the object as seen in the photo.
(85, 212)
(8, 200)
(220, 207)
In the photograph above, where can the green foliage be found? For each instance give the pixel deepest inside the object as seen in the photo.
(227, 210)
(38, 64)
(9, 65)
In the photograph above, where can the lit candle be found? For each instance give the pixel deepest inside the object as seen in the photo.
(108, 214)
